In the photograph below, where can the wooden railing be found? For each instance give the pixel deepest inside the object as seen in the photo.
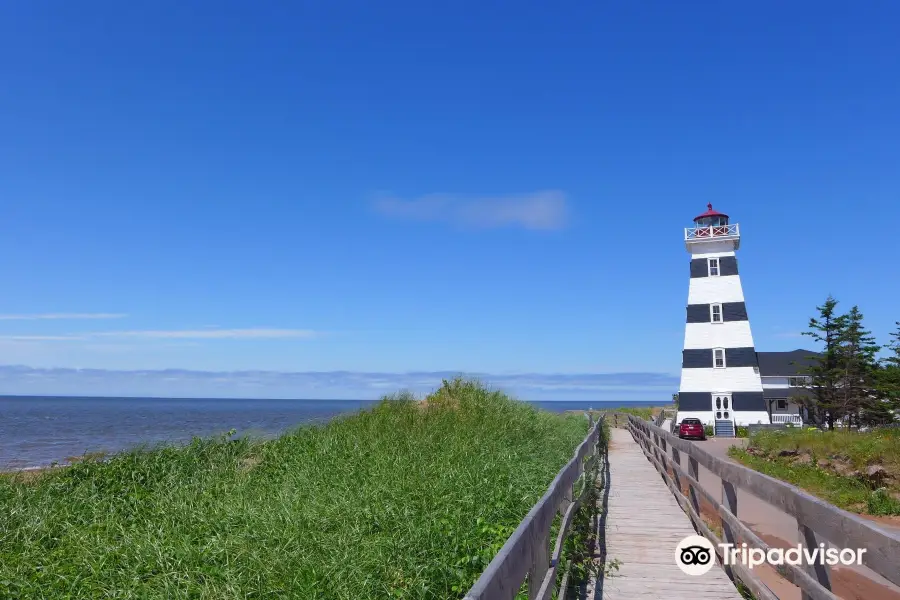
(817, 521)
(526, 554)
(666, 413)
(787, 418)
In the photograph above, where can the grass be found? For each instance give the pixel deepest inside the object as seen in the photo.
(406, 500)
(832, 465)
(643, 412)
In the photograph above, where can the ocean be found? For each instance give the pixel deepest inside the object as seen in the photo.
(36, 430)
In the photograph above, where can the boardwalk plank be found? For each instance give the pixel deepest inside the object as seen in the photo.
(644, 524)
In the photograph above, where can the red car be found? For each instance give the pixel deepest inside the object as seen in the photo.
(691, 428)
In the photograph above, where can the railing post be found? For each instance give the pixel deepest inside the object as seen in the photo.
(539, 566)
(729, 500)
(694, 472)
(676, 458)
(819, 572)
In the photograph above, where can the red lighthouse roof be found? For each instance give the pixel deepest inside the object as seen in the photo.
(710, 213)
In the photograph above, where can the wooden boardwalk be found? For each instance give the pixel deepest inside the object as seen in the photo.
(644, 524)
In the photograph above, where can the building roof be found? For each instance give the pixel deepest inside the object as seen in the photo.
(785, 392)
(710, 213)
(785, 364)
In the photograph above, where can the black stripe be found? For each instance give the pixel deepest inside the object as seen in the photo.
(748, 401)
(702, 358)
(727, 266)
(734, 311)
(740, 401)
(696, 359)
(698, 313)
(694, 401)
(699, 267)
(731, 311)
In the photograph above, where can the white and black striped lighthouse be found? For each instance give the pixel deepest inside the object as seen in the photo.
(720, 382)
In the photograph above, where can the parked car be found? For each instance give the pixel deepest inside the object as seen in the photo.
(691, 428)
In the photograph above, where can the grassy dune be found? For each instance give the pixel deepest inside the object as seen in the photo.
(644, 412)
(407, 500)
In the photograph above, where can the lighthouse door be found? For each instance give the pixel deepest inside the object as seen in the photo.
(722, 407)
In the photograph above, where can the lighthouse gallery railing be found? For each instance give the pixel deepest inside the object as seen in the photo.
(704, 233)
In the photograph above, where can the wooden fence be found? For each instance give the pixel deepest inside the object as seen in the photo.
(666, 413)
(817, 521)
(526, 554)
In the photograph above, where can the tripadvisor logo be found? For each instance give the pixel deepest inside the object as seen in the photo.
(695, 555)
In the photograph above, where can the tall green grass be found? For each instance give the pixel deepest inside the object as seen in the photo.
(406, 500)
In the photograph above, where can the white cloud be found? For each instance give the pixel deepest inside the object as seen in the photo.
(543, 210)
(62, 316)
(180, 334)
(42, 338)
(198, 334)
(327, 384)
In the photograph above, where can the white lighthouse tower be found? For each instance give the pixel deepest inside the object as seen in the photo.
(720, 382)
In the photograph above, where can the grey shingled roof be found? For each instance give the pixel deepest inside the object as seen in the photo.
(785, 392)
(784, 364)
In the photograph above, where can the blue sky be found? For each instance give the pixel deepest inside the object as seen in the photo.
(378, 189)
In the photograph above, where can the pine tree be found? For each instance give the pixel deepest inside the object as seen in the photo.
(888, 380)
(825, 372)
(858, 362)
(894, 347)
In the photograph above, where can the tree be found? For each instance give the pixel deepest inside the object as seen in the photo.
(858, 363)
(888, 380)
(825, 372)
(894, 346)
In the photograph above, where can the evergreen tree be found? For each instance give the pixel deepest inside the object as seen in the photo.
(857, 357)
(894, 346)
(825, 373)
(888, 379)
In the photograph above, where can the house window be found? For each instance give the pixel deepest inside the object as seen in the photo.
(798, 381)
(713, 267)
(781, 404)
(715, 313)
(719, 358)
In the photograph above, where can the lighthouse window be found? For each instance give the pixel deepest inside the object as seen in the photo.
(715, 313)
(719, 358)
(713, 267)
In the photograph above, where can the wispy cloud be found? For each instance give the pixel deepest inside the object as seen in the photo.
(42, 338)
(326, 384)
(543, 210)
(62, 316)
(181, 334)
(199, 334)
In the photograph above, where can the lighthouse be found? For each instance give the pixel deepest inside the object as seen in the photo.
(720, 383)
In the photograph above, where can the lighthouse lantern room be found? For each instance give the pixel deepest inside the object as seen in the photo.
(720, 382)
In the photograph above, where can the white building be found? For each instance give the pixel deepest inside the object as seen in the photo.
(783, 383)
(720, 378)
